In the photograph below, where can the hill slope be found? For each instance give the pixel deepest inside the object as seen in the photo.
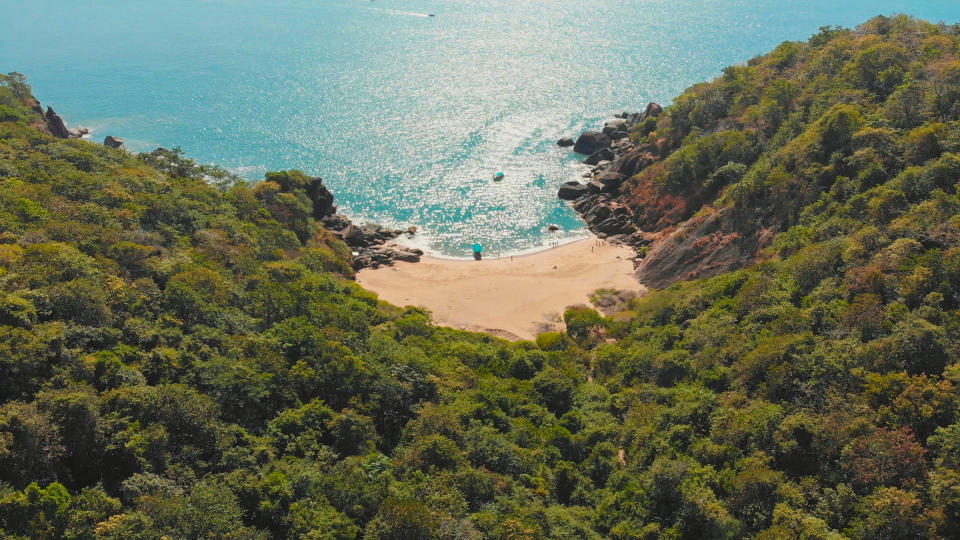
(185, 355)
(807, 135)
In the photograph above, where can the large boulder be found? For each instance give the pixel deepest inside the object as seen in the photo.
(618, 135)
(113, 142)
(572, 190)
(565, 142)
(617, 124)
(603, 154)
(591, 141)
(406, 255)
(55, 124)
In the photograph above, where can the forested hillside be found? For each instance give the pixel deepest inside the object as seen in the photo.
(185, 355)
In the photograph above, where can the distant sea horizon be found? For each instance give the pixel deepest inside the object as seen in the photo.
(407, 117)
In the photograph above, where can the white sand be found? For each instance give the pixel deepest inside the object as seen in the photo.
(515, 299)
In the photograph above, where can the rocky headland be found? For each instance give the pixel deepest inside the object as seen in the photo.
(677, 236)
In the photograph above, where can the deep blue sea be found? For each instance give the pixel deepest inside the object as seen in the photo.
(405, 116)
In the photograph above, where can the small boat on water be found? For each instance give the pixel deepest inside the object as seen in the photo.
(498, 177)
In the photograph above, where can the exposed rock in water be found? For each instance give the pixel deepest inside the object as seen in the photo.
(565, 142)
(572, 190)
(617, 124)
(113, 142)
(591, 141)
(603, 154)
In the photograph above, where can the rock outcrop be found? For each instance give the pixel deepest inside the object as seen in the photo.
(565, 142)
(591, 141)
(55, 124)
(617, 124)
(113, 142)
(678, 236)
(370, 242)
(51, 122)
(708, 244)
(572, 190)
(615, 159)
(603, 154)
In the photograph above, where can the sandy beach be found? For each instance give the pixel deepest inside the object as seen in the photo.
(512, 298)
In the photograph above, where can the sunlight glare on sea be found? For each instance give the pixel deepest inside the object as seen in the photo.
(407, 117)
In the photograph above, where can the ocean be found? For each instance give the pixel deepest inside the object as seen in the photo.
(406, 116)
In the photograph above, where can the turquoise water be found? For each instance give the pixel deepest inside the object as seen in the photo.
(405, 116)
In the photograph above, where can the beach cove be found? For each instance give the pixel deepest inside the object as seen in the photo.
(510, 297)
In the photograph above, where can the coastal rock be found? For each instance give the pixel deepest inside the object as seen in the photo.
(336, 222)
(631, 162)
(653, 110)
(609, 226)
(113, 142)
(610, 181)
(617, 135)
(553, 227)
(406, 255)
(603, 154)
(565, 142)
(78, 132)
(591, 141)
(369, 241)
(321, 197)
(617, 124)
(55, 124)
(351, 235)
(572, 190)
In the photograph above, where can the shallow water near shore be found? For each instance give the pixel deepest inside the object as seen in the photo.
(407, 117)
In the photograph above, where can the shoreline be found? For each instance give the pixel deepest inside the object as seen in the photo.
(430, 254)
(513, 298)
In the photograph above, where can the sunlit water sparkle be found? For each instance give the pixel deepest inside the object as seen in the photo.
(407, 117)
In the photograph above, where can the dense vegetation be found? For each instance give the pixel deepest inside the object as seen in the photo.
(184, 354)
